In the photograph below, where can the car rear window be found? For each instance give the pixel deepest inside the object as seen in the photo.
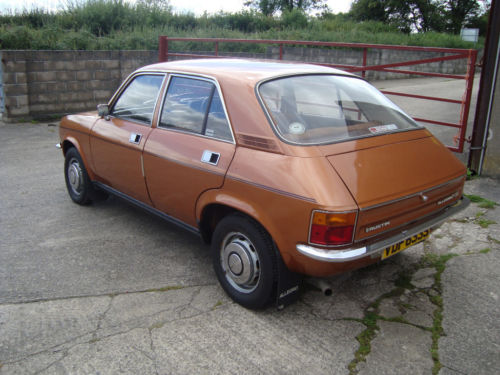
(321, 109)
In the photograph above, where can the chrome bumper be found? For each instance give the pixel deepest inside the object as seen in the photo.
(346, 255)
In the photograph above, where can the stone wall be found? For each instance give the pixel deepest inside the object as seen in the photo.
(41, 83)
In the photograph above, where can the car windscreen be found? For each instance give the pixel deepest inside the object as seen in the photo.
(322, 109)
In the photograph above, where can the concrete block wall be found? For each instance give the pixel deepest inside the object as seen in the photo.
(38, 83)
(346, 56)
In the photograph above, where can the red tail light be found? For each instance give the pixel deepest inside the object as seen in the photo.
(329, 228)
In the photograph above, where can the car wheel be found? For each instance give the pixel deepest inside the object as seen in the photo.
(244, 258)
(77, 180)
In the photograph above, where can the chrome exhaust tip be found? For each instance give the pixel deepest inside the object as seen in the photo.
(321, 284)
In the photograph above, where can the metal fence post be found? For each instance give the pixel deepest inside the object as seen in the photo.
(365, 55)
(2, 97)
(464, 110)
(163, 48)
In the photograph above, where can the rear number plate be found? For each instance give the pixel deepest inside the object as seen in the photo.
(400, 246)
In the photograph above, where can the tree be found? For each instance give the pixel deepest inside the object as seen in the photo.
(395, 12)
(269, 7)
(370, 10)
(480, 21)
(418, 15)
(459, 12)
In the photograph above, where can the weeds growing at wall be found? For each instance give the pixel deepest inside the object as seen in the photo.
(116, 24)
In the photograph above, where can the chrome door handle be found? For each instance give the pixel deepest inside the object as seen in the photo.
(135, 138)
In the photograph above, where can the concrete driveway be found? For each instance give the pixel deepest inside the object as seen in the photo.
(108, 289)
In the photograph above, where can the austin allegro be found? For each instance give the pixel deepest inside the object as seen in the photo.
(285, 169)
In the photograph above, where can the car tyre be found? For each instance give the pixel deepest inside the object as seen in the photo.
(77, 180)
(244, 259)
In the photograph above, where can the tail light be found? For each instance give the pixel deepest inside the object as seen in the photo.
(332, 228)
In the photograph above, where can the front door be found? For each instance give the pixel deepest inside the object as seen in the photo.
(117, 141)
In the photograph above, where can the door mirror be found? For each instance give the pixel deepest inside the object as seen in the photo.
(102, 110)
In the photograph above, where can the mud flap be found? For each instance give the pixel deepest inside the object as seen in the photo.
(288, 285)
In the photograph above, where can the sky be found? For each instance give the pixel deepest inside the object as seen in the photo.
(195, 6)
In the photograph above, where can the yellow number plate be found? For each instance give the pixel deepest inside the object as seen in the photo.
(400, 246)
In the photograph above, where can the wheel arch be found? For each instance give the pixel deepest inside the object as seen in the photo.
(71, 142)
(213, 206)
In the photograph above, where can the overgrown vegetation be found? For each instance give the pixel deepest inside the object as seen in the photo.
(483, 202)
(364, 338)
(439, 263)
(117, 24)
(436, 15)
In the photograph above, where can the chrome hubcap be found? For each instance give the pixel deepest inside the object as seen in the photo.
(240, 262)
(75, 176)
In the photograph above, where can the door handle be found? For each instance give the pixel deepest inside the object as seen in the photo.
(135, 138)
(210, 157)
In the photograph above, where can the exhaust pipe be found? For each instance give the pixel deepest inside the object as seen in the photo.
(322, 285)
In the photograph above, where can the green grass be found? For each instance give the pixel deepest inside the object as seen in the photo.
(494, 240)
(117, 24)
(156, 326)
(404, 281)
(439, 263)
(217, 304)
(485, 223)
(483, 202)
(436, 333)
(364, 338)
(470, 174)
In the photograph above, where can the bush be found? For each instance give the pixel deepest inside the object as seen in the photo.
(118, 24)
(16, 37)
(294, 19)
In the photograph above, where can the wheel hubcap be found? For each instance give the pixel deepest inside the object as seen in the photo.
(75, 176)
(240, 262)
(235, 264)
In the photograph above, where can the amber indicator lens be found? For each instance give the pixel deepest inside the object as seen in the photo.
(332, 228)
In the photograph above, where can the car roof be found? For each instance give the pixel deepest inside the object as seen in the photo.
(238, 79)
(241, 69)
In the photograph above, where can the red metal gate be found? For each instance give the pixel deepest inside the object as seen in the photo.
(445, 54)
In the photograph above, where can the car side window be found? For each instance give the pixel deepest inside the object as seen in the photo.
(194, 105)
(137, 101)
(217, 124)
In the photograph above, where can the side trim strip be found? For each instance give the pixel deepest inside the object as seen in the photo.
(147, 208)
(350, 254)
(277, 191)
(192, 166)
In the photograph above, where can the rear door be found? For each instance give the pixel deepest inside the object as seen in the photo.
(117, 141)
(191, 148)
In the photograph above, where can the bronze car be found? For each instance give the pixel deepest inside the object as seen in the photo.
(286, 169)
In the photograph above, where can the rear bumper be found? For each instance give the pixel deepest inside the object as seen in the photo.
(350, 254)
